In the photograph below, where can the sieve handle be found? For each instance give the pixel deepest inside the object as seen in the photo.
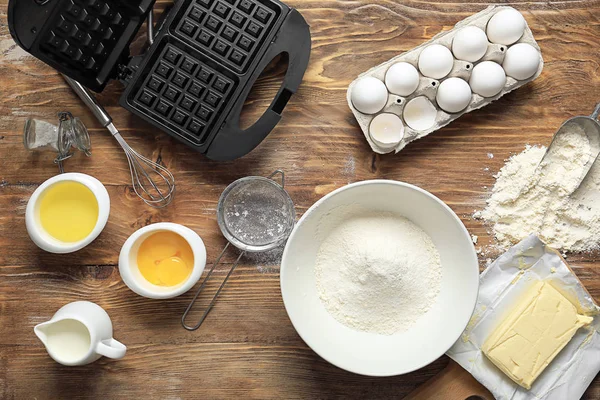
(596, 112)
(214, 299)
(278, 172)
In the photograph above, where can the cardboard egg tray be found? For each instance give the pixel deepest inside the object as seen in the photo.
(428, 86)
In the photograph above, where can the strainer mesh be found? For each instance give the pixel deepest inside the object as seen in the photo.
(257, 213)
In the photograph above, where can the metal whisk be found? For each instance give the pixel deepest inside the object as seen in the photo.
(152, 182)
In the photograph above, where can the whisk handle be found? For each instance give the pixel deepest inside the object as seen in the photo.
(90, 101)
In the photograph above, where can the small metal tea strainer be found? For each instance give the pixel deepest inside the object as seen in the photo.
(255, 214)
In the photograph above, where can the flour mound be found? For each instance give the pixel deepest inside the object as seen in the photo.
(546, 203)
(378, 272)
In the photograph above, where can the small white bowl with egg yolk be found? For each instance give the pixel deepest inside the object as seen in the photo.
(162, 261)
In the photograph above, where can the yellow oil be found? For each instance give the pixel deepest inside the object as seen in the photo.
(68, 211)
(165, 259)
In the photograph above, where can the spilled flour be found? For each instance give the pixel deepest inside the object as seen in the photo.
(378, 272)
(546, 203)
(10, 52)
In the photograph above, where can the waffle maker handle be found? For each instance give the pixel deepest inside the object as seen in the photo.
(294, 39)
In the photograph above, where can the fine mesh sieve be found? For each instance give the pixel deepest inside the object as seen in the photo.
(255, 214)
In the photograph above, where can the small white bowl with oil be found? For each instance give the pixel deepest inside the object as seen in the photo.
(162, 261)
(67, 212)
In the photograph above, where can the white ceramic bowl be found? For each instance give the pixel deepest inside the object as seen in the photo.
(32, 219)
(368, 353)
(132, 276)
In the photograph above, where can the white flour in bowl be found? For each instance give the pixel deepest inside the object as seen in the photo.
(378, 272)
(547, 207)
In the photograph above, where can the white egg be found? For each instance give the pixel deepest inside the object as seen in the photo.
(369, 95)
(506, 26)
(420, 113)
(436, 61)
(487, 79)
(521, 61)
(402, 79)
(386, 130)
(453, 95)
(470, 44)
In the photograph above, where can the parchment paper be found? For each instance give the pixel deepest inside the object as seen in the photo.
(501, 284)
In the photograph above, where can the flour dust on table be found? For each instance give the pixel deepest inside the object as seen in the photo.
(546, 201)
(377, 272)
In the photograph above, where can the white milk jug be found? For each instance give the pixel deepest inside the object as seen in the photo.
(78, 334)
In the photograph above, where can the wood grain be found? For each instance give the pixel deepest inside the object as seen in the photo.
(247, 347)
(453, 383)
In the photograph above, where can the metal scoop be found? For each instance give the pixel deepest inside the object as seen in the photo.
(255, 214)
(591, 127)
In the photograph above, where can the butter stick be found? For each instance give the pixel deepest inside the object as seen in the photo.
(537, 329)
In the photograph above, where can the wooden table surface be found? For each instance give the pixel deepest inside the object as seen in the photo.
(247, 347)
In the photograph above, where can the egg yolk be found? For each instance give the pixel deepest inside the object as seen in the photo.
(165, 259)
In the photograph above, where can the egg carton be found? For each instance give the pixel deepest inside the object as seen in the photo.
(428, 87)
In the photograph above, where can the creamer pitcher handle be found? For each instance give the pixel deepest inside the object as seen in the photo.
(111, 348)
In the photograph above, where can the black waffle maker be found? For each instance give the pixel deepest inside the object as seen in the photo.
(193, 80)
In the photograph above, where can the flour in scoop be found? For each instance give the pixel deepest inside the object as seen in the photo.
(378, 272)
(526, 200)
